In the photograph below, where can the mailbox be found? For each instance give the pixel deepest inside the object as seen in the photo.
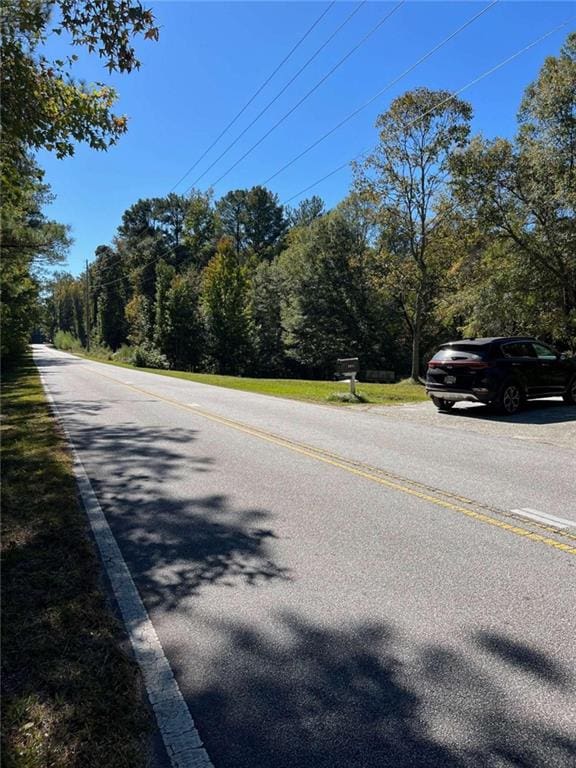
(348, 365)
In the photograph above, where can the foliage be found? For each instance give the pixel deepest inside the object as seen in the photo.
(43, 107)
(332, 307)
(524, 193)
(225, 291)
(162, 320)
(137, 313)
(29, 242)
(147, 356)
(200, 228)
(307, 211)
(124, 354)
(253, 220)
(266, 298)
(67, 341)
(440, 236)
(183, 343)
(108, 298)
(406, 178)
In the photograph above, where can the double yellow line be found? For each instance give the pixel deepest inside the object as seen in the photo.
(434, 496)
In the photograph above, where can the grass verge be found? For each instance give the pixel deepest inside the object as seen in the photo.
(71, 695)
(298, 389)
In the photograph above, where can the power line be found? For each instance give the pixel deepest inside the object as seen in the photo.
(255, 94)
(258, 91)
(387, 87)
(449, 98)
(318, 84)
(288, 84)
(340, 167)
(311, 91)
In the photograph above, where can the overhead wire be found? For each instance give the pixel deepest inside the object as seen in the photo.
(256, 93)
(383, 90)
(311, 91)
(444, 101)
(282, 91)
(261, 88)
(364, 152)
(318, 84)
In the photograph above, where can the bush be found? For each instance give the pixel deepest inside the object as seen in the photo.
(67, 341)
(149, 357)
(124, 354)
(100, 350)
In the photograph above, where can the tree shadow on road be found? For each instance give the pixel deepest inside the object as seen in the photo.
(173, 545)
(362, 696)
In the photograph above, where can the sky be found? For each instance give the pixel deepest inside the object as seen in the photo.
(212, 57)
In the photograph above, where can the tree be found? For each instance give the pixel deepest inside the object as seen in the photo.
(43, 107)
(164, 276)
(68, 302)
(184, 341)
(200, 228)
(29, 242)
(267, 293)
(138, 313)
(225, 300)
(307, 211)
(332, 307)
(254, 221)
(406, 176)
(108, 285)
(524, 193)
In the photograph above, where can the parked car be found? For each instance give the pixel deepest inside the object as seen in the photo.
(501, 371)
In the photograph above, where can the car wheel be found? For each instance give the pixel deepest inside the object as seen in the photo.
(511, 398)
(570, 394)
(441, 404)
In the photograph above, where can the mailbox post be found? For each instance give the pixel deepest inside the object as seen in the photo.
(350, 367)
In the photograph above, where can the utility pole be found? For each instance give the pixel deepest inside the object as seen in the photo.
(87, 308)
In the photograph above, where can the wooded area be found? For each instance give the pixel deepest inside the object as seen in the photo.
(442, 235)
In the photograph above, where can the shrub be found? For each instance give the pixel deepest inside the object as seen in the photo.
(146, 356)
(67, 341)
(124, 354)
(100, 350)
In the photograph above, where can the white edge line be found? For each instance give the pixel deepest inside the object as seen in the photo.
(181, 739)
(543, 517)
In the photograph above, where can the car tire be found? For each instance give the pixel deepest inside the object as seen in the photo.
(511, 398)
(441, 404)
(570, 395)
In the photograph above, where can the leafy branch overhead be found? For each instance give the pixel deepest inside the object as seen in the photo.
(43, 105)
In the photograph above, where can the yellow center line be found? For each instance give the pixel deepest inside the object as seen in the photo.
(330, 459)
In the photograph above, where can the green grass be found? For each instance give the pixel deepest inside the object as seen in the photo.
(299, 389)
(72, 698)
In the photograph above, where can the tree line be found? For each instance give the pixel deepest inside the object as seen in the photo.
(442, 234)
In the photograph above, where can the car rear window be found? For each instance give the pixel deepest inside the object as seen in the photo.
(460, 352)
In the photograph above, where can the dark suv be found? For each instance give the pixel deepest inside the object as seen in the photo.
(502, 371)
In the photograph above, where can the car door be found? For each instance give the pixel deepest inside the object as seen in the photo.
(552, 377)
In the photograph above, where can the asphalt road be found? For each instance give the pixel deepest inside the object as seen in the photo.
(342, 588)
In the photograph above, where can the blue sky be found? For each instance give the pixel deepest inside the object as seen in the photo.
(211, 58)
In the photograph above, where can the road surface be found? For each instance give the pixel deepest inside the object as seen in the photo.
(342, 588)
